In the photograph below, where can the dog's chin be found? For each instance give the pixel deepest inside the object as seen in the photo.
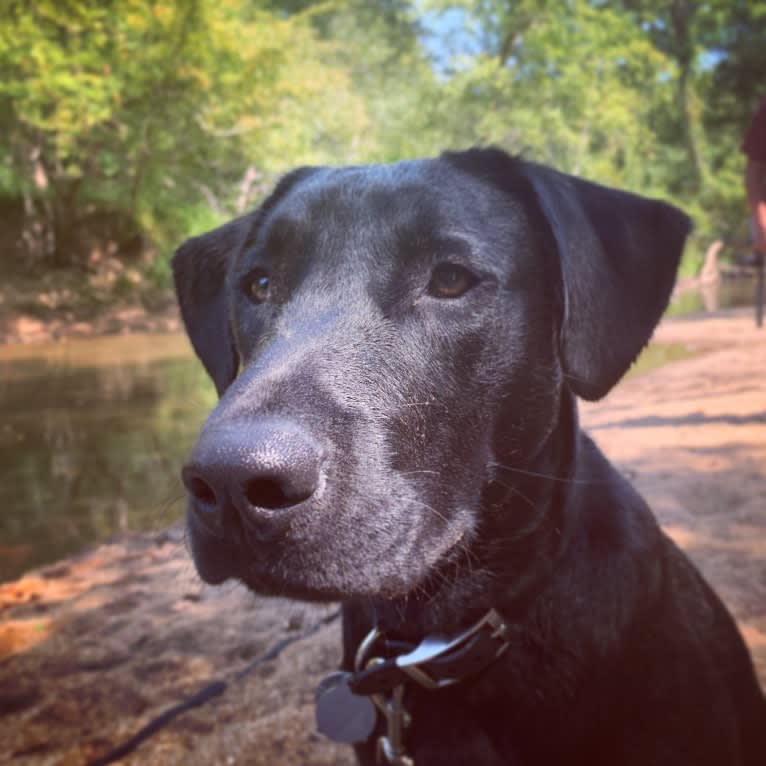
(304, 586)
(319, 579)
(313, 584)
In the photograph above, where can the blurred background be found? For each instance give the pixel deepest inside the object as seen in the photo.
(129, 125)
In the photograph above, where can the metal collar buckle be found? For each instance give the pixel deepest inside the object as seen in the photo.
(390, 747)
(433, 647)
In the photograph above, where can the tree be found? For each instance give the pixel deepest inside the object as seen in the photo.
(573, 85)
(142, 121)
(159, 114)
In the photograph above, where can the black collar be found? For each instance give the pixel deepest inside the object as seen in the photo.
(435, 662)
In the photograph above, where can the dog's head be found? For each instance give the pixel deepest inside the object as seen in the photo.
(389, 340)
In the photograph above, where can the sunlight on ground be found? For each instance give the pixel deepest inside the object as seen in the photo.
(20, 635)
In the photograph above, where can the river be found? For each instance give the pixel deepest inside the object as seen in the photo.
(92, 435)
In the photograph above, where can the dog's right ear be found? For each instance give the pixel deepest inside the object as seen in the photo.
(200, 267)
(199, 272)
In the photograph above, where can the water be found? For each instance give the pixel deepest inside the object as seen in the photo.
(729, 293)
(93, 433)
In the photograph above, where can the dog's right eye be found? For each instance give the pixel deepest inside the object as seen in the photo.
(257, 285)
(449, 280)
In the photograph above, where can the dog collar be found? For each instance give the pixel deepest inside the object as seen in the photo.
(346, 702)
(435, 662)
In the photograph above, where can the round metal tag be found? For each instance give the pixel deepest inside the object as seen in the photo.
(342, 715)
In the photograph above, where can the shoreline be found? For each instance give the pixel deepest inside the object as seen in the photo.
(122, 318)
(131, 316)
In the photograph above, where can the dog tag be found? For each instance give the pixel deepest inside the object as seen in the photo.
(341, 715)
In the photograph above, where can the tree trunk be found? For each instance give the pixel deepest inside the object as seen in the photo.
(681, 12)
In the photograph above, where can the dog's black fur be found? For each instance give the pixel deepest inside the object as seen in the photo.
(398, 349)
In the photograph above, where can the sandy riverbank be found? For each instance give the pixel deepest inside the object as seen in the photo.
(95, 646)
(117, 319)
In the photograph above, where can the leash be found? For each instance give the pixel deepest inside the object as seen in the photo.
(212, 690)
(348, 704)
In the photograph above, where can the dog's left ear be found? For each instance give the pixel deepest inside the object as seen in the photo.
(200, 267)
(619, 254)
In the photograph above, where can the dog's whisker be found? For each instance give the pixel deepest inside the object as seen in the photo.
(549, 477)
(432, 509)
(518, 493)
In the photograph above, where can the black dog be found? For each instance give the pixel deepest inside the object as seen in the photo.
(398, 349)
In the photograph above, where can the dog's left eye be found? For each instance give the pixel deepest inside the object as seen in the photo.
(448, 280)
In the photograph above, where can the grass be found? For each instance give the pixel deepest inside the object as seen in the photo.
(658, 354)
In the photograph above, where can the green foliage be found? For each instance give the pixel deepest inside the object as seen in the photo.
(164, 118)
(153, 107)
(573, 87)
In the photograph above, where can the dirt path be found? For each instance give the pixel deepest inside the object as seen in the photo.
(692, 438)
(96, 646)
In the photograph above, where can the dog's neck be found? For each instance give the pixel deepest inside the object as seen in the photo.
(512, 557)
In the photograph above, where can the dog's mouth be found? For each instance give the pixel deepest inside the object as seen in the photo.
(365, 560)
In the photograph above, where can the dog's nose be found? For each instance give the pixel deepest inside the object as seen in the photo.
(259, 469)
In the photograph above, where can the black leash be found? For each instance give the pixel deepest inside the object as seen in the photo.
(213, 689)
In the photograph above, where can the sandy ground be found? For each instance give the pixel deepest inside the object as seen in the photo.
(94, 647)
(691, 436)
